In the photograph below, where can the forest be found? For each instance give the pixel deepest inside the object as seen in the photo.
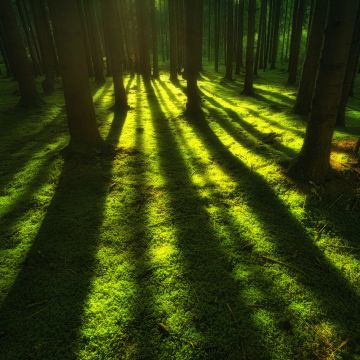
(179, 179)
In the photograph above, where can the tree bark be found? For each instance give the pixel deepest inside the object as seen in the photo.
(249, 72)
(217, 34)
(240, 37)
(193, 12)
(229, 39)
(95, 39)
(313, 162)
(16, 51)
(312, 58)
(154, 32)
(173, 40)
(84, 134)
(296, 34)
(45, 39)
(142, 16)
(113, 39)
(350, 73)
(275, 37)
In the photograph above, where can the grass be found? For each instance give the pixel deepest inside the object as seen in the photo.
(188, 243)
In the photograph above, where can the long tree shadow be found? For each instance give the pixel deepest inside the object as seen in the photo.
(293, 244)
(42, 311)
(227, 333)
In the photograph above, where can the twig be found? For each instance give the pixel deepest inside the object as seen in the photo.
(275, 261)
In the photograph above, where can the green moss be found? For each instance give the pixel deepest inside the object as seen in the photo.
(189, 243)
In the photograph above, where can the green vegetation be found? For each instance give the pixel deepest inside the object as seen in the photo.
(186, 242)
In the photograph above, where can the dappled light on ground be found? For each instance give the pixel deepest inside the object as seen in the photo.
(188, 241)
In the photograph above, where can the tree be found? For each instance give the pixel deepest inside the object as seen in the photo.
(229, 39)
(313, 162)
(46, 44)
(240, 35)
(275, 33)
(312, 58)
(249, 71)
(296, 33)
(350, 73)
(16, 53)
(142, 16)
(95, 40)
(154, 27)
(84, 134)
(217, 34)
(173, 40)
(113, 39)
(193, 13)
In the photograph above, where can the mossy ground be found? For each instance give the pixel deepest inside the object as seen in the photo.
(189, 242)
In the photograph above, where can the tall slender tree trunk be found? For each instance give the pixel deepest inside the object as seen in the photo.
(16, 52)
(312, 59)
(95, 40)
(260, 40)
(249, 71)
(44, 33)
(113, 38)
(299, 10)
(217, 34)
(230, 39)
(350, 73)
(173, 40)
(142, 16)
(4, 54)
(193, 12)
(240, 37)
(154, 32)
(284, 32)
(313, 162)
(84, 134)
(275, 37)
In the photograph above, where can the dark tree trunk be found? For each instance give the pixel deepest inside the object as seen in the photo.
(30, 38)
(229, 40)
(95, 40)
(113, 38)
(217, 34)
(142, 16)
(44, 33)
(193, 12)
(249, 71)
(350, 73)
(154, 32)
(268, 34)
(313, 162)
(299, 10)
(4, 55)
(173, 40)
(312, 59)
(260, 41)
(84, 134)
(275, 37)
(284, 32)
(240, 37)
(16, 52)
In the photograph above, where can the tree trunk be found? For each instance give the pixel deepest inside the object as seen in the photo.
(314, 159)
(142, 16)
(113, 38)
(312, 59)
(44, 34)
(299, 10)
(240, 37)
(249, 72)
(84, 134)
(15, 49)
(193, 12)
(154, 32)
(229, 39)
(217, 34)
(173, 40)
(4, 55)
(95, 39)
(260, 40)
(275, 37)
(350, 73)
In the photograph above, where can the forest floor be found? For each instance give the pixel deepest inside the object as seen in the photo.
(189, 242)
